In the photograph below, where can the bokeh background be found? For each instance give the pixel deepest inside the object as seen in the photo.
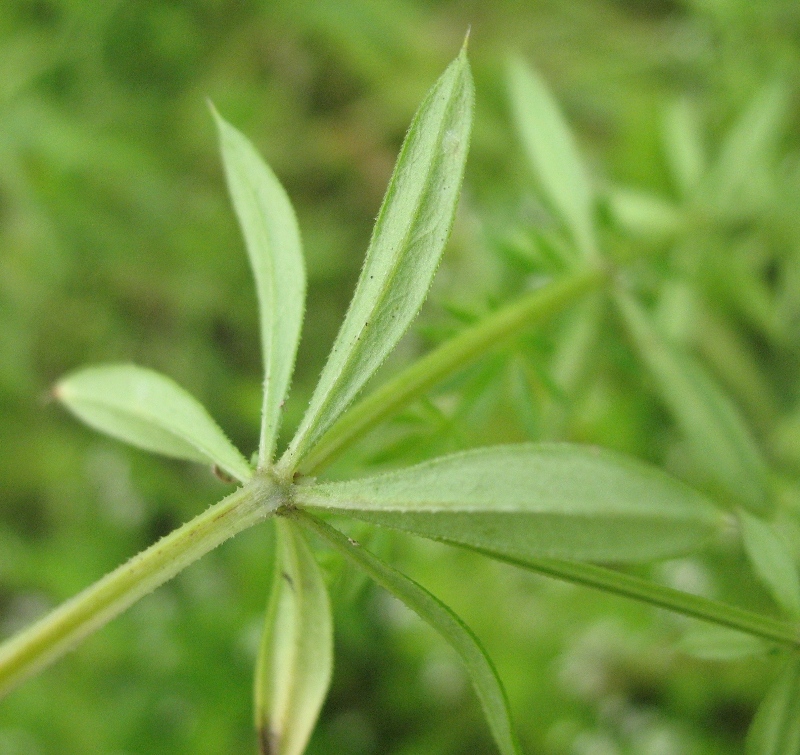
(117, 243)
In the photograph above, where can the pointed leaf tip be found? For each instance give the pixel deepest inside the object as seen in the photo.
(411, 230)
(272, 238)
(150, 411)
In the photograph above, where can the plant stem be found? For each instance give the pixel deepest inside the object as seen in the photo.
(430, 609)
(61, 630)
(452, 355)
(644, 590)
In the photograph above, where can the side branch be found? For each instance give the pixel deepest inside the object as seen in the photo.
(461, 350)
(61, 630)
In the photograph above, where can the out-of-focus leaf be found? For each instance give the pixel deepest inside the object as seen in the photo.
(676, 310)
(684, 147)
(785, 439)
(644, 214)
(729, 352)
(148, 410)
(552, 153)
(412, 228)
(430, 609)
(296, 657)
(722, 444)
(747, 148)
(776, 727)
(714, 643)
(576, 342)
(529, 500)
(772, 561)
(273, 245)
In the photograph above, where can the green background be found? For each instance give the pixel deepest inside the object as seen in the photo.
(117, 243)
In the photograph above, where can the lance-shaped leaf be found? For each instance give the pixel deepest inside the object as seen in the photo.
(715, 643)
(684, 146)
(724, 450)
(644, 214)
(296, 657)
(746, 152)
(776, 727)
(273, 245)
(413, 225)
(772, 561)
(529, 500)
(553, 154)
(148, 410)
(430, 609)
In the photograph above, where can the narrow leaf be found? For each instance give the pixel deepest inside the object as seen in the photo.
(747, 149)
(715, 643)
(644, 214)
(630, 586)
(296, 657)
(552, 153)
(148, 410)
(723, 447)
(430, 609)
(413, 225)
(485, 337)
(273, 245)
(684, 146)
(772, 561)
(529, 500)
(776, 727)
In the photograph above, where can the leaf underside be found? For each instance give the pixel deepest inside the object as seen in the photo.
(528, 500)
(274, 248)
(150, 411)
(410, 233)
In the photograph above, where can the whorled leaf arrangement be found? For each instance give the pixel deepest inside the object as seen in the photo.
(531, 505)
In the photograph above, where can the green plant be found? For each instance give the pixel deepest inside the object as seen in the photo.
(547, 507)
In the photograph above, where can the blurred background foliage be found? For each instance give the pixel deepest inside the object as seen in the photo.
(117, 242)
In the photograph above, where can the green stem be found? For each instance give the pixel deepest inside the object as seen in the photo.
(430, 609)
(62, 629)
(452, 355)
(646, 591)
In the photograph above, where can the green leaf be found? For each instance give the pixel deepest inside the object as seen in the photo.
(746, 152)
(148, 410)
(485, 337)
(529, 500)
(552, 153)
(296, 657)
(484, 676)
(273, 245)
(715, 643)
(644, 214)
(684, 146)
(776, 727)
(412, 228)
(723, 447)
(628, 585)
(772, 561)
